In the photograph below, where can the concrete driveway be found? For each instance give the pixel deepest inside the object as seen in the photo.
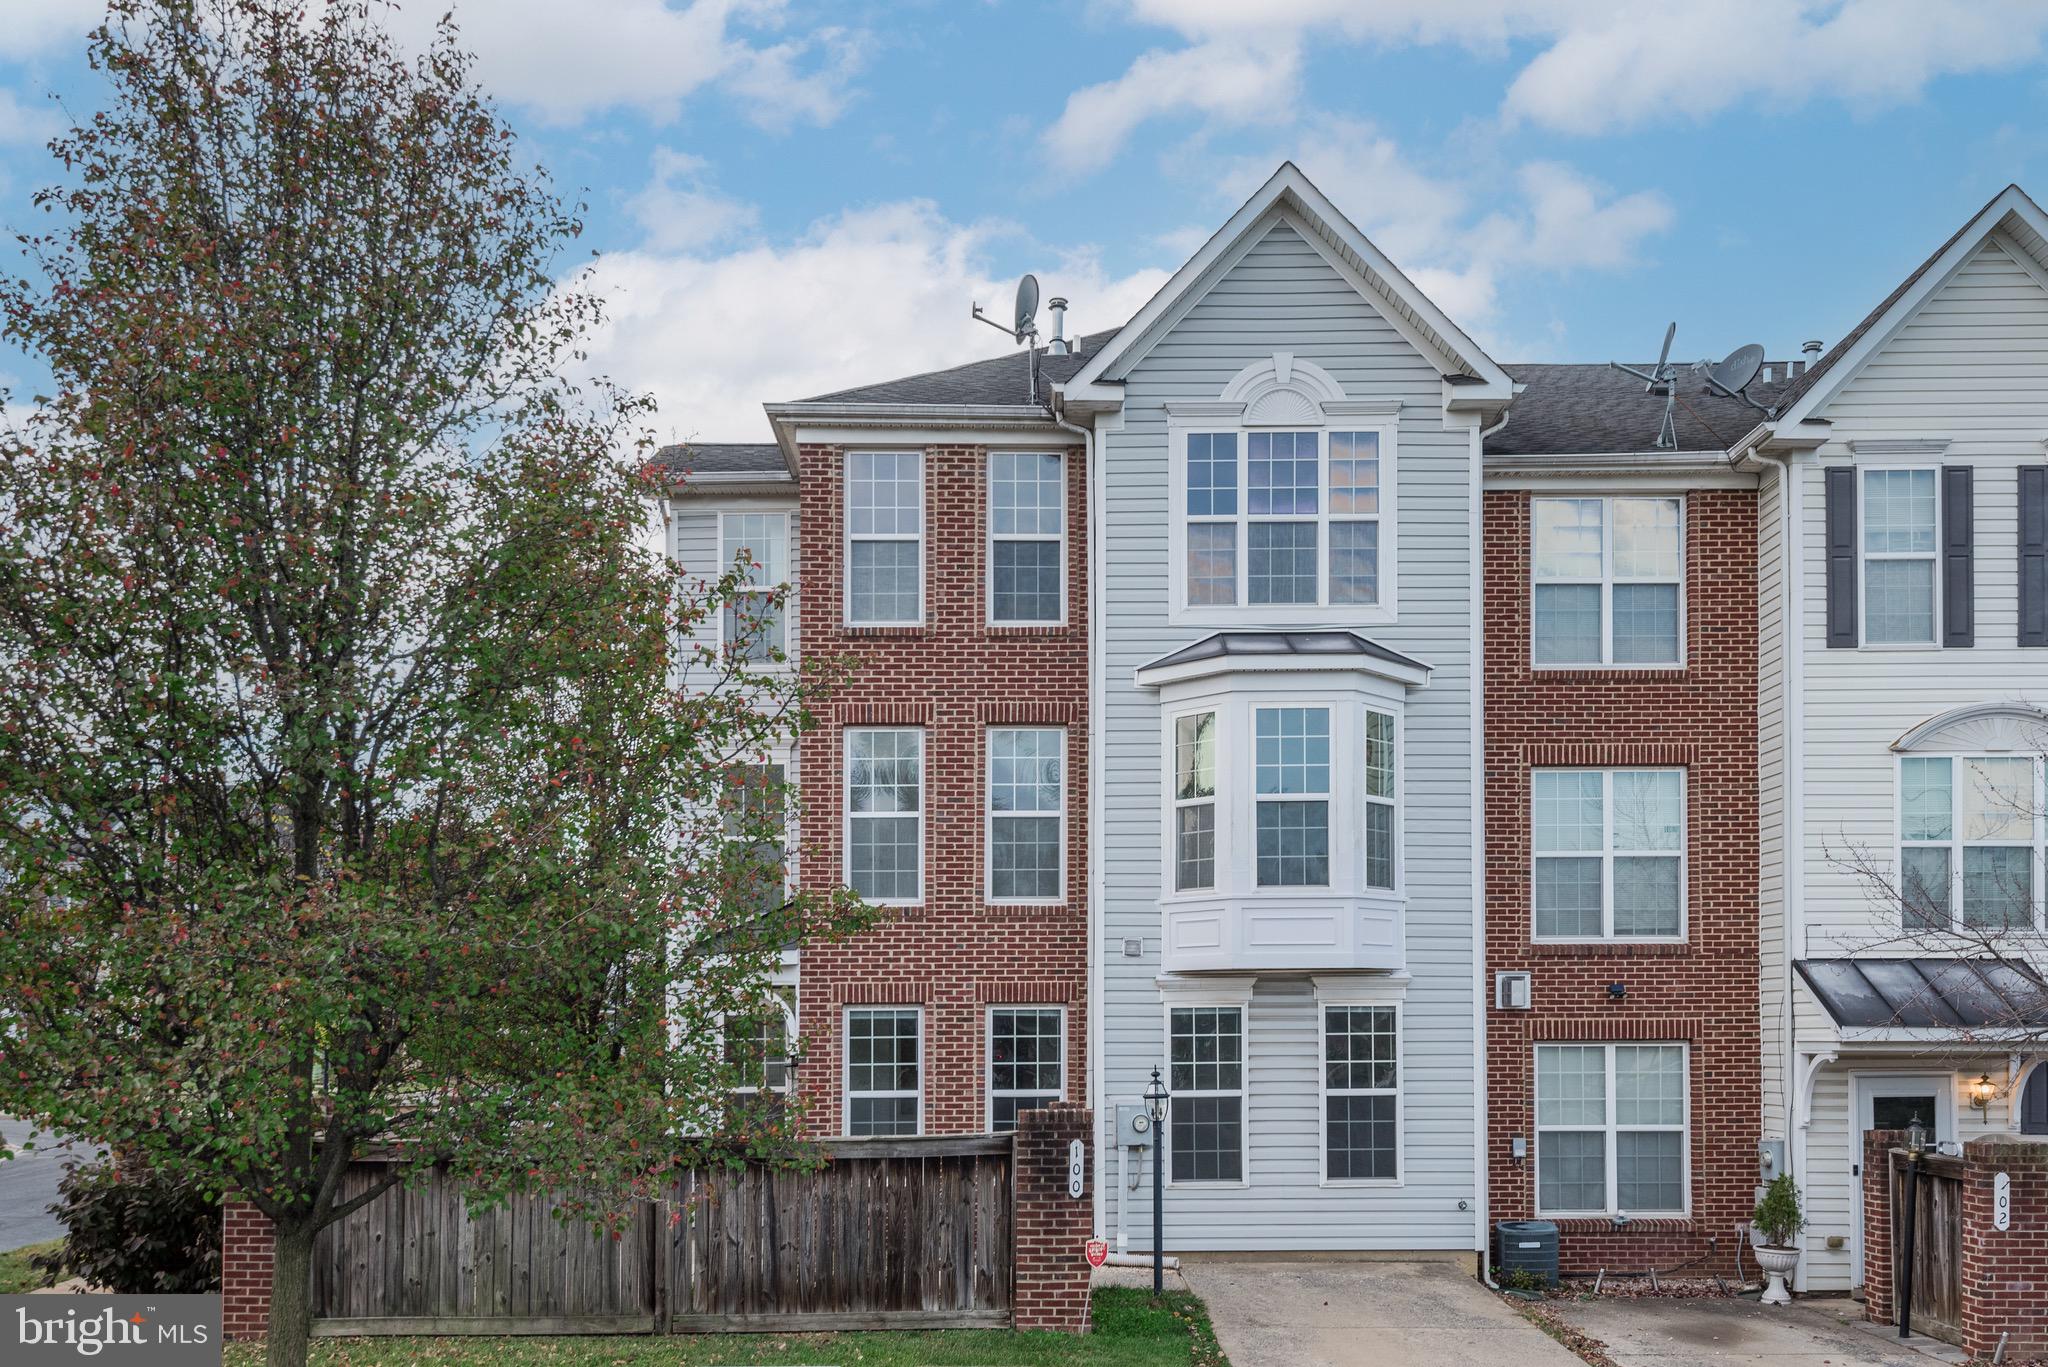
(1363, 1314)
(1726, 1333)
(28, 1183)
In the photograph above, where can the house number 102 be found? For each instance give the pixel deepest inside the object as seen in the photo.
(2001, 1201)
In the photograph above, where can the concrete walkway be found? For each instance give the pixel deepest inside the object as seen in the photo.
(1363, 1314)
(1726, 1333)
(28, 1183)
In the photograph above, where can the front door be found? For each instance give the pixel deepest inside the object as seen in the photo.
(1888, 1101)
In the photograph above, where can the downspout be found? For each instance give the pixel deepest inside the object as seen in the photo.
(1095, 1062)
(1481, 1164)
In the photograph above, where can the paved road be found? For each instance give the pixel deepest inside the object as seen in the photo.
(1363, 1314)
(28, 1183)
(1732, 1333)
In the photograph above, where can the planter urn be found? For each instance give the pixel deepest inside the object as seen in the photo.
(1778, 1264)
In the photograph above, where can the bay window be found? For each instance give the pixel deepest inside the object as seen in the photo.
(1293, 759)
(1970, 841)
(1608, 578)
(1899, 545)
(1608, 847)
(1611, 1134)
(1194, 802)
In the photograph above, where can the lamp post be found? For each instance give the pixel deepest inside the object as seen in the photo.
(1155, 1100)
(1916, 1145)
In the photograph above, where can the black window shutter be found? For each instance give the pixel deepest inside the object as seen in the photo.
(2034, 555)
(1841, 533)
(1958, 572)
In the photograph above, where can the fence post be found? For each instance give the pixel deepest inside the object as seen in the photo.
(1878, 1273)
(1052, 1225)
(2005, 1271)
(246, 1253)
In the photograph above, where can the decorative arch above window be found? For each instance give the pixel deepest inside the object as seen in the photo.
(1990, 727)
(1972, 819)
(1283, 498)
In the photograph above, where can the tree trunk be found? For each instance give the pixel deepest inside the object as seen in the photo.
(291, 1296)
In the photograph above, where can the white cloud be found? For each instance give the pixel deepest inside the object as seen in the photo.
(1598, 65)
(26, 122)
(679, 210)
(35, 27)
(1458, 238)
(863, 296)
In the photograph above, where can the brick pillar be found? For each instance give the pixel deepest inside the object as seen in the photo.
(245, 1258)
(1880, 1281)
(1052, 1227)
(2005, 1272)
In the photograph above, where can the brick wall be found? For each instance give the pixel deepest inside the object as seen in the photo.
(2005, 1272)
(1052, 1227)
(1880, 1278)
(956, 955)
(1702, 992)
(245, 1256)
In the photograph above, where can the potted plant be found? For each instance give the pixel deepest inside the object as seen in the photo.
(1777, 1222)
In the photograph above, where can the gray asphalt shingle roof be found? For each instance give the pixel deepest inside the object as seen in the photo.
(723, 458)
(1591, 409)
(999, 380)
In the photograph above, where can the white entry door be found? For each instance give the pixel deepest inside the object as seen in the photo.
(1892, 1101)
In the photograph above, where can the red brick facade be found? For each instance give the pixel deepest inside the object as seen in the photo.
(955, 955)
(1701, 716)
(1052, 1225)
(246, 1251)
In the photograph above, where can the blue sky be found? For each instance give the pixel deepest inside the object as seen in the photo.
(792, 197)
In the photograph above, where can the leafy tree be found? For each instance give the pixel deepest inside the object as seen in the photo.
(349, 794)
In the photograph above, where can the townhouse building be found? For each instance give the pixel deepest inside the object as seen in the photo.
(1475, 806)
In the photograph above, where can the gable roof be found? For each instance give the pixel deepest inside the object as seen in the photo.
(2010, 209)
(722, 458)
(1411, 311)
(998, 380)
(1596, 409)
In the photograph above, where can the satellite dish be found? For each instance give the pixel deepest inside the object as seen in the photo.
(1735, 372)
(1027, 307)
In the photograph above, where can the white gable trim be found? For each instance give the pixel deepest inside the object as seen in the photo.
(2012, 204)
(1288, 196)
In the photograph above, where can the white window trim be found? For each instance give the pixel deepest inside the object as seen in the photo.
(1864, 557)
(1607, 853)
(1327, 795)
(1175, 803)
(848, 816)
(1366, 800)
(786, 999)
(988, 821)
(1956, 843)
(846, 1092)
(1606, 581)
(1613, 1128)
(1325, 1004)
(1215, 1002)
(988, 1074)
(726, 556)
(988, 587)
(847, 538)
(1185, 419)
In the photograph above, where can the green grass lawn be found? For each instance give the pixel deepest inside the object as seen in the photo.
(16, 1276)
(1130, 1331)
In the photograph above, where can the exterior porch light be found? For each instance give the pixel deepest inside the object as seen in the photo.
(1981, 1092)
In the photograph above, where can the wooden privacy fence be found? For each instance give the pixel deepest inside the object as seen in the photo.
(1937, 1271)
(895, 1233)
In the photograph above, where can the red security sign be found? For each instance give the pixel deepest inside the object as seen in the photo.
(1097, 1251)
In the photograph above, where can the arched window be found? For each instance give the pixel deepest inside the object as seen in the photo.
(1973, 819)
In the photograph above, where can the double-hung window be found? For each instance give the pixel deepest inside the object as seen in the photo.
(1970, 847)
(757, 1049)
(884, 1070)
(1206, 1123)
(1279, 518)
(1380, 810)
(885, 813)
(1194, 802)
(1609, 853)
(1608, 579)
(755, 826)
(1026, 1049)
(885, 536)
(1361, 1094)
(1292, 767)
(1901, 541)
(752, 623)
(1027, 507)
(1610, 1129)
(1026, 814)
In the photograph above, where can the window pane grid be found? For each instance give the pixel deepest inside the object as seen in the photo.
(1298, 530)
(1971, 842)
(1205, 1050)
(751, 625)
(1027, 506)
(884, 804)
(1610, 1128)
(884, 1058)
(1608, 578)
(884, 524)
(1900, 522)
(1194, 799)
(1360, 1088)
(1026, 814)
(1608, 853)
(1292, 756)
(1026, 1048)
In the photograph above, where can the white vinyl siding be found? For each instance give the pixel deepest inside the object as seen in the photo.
(1027, 1048)
(1609, 853)
(1608, 579)
(1027, 814)
(885, 814)
(1027, 516)
(1611, 1129)
(884, 538)
(884, 1085)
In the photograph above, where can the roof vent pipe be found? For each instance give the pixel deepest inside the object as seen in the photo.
(1812, 349)
(1058, 345)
